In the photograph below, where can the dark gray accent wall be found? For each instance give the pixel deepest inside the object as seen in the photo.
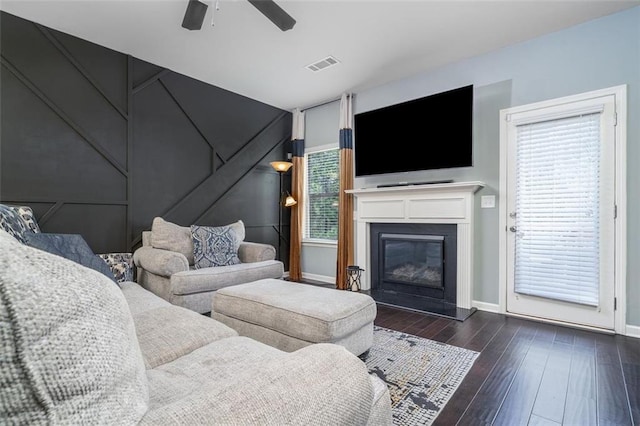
(99, 143)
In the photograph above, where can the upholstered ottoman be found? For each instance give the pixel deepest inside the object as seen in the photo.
(289, 315)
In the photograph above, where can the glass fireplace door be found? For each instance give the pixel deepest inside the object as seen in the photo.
(413, 259)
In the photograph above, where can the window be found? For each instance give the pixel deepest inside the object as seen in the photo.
(558, 174)
(322, 188)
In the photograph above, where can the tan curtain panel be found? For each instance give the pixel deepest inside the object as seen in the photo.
(297, 190)
(345, 201)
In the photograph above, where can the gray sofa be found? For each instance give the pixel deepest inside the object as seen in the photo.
(77, 348)
(165, 266)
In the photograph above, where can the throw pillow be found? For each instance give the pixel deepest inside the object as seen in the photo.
(72, 247)
(121, 265)
(239, 228)
(69, 353)
(214, 246)
(169, 236)
(12, 223)
(27, 216)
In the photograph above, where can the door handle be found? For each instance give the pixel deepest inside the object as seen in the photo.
(513, 229)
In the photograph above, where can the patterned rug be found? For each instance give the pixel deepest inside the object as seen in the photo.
(421, 374)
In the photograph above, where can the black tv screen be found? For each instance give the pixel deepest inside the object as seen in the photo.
(434, 132)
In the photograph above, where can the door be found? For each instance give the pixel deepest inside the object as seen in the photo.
(561, 211)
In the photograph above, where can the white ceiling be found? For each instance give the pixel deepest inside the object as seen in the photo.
(376, 41)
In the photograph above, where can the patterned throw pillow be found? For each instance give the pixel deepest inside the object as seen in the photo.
(121, 265)
(214, 246)
(12, 223)
(27, 216)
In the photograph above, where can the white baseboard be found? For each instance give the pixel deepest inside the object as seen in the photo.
(320, 278)
(484, 306)
(633, 331)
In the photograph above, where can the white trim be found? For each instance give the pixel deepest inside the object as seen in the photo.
(633, 331)
(451, 203)
(620, 94)
(320, 148)
(502, 213)
(319, 243)
(487, 307)
(562, 323)
(320, 278)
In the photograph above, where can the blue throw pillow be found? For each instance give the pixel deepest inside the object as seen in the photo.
(72, 247)
(214, 246)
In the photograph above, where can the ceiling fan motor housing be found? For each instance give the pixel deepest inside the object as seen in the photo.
(194, 17)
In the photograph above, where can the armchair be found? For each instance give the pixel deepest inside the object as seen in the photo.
(165, 266)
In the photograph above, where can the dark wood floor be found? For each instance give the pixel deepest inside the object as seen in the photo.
(531, 373)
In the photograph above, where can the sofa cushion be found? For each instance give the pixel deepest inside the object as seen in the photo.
(72, 247)
(169, 236)
(214, 246)
(141, 300)
(69, 352)
(165, 334)
(208, 279)
(12, 223)
(255, 384)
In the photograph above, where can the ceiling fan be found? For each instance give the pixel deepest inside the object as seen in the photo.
(196, 10)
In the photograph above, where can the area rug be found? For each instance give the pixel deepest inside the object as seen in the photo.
(421, 374)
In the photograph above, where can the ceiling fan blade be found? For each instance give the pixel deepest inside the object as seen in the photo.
(275, 13)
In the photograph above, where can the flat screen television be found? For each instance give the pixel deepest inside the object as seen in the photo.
(433, 132)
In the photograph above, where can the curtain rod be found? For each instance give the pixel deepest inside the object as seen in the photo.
(330, 101)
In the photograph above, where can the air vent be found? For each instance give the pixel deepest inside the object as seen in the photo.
(325, 63)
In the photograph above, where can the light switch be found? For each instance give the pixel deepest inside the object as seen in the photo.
(488, 201)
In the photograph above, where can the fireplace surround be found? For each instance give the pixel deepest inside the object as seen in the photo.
(444, 203)
(414, 265)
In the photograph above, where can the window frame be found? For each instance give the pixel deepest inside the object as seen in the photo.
(305, 239)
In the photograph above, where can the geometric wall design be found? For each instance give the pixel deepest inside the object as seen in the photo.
(99, 143)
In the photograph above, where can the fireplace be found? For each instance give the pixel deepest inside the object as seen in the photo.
(414, 265)
(450, 204)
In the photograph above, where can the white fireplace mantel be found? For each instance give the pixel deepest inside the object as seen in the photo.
(432, 203)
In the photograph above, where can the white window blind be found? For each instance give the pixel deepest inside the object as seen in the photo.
(323, 185)
(557, 209)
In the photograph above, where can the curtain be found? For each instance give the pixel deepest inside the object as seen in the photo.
(345, 201)
(297, 191)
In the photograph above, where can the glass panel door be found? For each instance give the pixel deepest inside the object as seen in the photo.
(560, 201)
